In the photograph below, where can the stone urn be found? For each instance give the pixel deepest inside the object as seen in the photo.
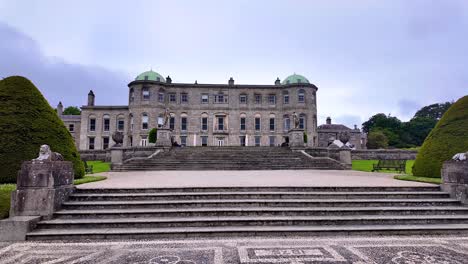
(118, 136)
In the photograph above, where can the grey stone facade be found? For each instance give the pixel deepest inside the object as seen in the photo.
(202, 114)
(329, 132)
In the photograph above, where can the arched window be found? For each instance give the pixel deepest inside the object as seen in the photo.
(161, 94)
(286, 123)
(131, 122)
(172, 121)
(204, 122)
(131, 95)
(272, 122)
(92, 123)
(144, 121)
(285, 97)
(106, 122)
(120, 123)
(243, 122)
(301, 96)
(302, 121)
(258, 122)
(145, 93)
(183, 122)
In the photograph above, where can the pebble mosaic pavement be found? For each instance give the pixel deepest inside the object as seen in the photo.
(357, 250)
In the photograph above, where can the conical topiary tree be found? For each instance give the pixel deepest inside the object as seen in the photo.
(449, 136)
(26, 122)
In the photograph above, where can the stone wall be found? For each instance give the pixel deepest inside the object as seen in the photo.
(455, 179)
(379, 154)
(102, 155)
(128, 153)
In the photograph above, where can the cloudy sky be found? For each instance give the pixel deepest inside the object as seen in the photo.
(366, 57)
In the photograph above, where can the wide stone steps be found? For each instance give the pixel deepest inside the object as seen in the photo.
(245, 211)
(228, 158)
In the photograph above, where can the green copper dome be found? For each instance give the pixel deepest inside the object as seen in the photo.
(150, 76)
(295, 78)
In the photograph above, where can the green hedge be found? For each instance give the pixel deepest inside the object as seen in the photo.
(152, 136)
(449, 136)
(26, 122)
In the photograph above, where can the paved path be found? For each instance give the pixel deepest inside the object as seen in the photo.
(144, 179)
(339, 250)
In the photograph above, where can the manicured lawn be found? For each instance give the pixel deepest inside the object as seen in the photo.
(418, 179)
(366, 165)
(6, 189)
(99, 166)
(87, 179)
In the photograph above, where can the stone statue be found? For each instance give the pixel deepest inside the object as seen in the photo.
(460, 156)
(167, 116)
(117, 136)
(344, 137)
(295, 120)
(45, 154)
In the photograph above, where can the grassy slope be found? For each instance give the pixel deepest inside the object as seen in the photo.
(99, 166)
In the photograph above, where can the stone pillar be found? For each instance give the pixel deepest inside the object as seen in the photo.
(41, 188)
(163, 137)
(455, 179)
(296, 138)
(345, 158)
(116, 155)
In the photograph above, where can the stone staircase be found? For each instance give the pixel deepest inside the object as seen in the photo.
(228, 158)
(253, 211)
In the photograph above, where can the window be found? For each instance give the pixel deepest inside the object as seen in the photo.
(204, 125)
(105, 142)
(183, 124)
(258, 99)
(120, 124)
(286, 98)
(301, 96)
(286, 123)
(106, 125)
(183, 141)
(71, 127)
(257, 141)
(204, 98)
(221, 98)
(92, 124)
(172, 122)
(184, 98)
(272, 99)
(302, 121)
(144, 121)
(242, 124)
(272, 141)
(132, 95)
(131, 122)
(145, 93)
(257, 124)
(272, 124)
(204, 141)
(242, 141)
(161, 97)
(130, 140)
(172, 98)
(243, 98)
(220, 123)
(91, 143)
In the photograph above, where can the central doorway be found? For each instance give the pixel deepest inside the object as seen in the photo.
(220, 141)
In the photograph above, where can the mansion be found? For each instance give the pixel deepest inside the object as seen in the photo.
(200, 114)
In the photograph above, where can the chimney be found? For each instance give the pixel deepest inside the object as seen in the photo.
(328, 120)
(231, 81)
(90, 98)
(60, 109)
(278, 81)
(355, 127)
(168, 79)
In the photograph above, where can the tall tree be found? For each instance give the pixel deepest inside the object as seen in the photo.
(433, 111)
(376, 140)
(72, 110)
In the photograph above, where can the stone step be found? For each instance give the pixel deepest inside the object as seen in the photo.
(230, 231)
(259, 202)
(252, 221)
(262, 189)
(260, 211)
(253, 195)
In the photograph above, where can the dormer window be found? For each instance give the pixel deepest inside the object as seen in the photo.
(146, 77)
(158, 79)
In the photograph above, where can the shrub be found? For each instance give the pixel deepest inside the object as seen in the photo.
(152, 135)
(305, 138)
(447, 138)
(376, 140)
(26, 122)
